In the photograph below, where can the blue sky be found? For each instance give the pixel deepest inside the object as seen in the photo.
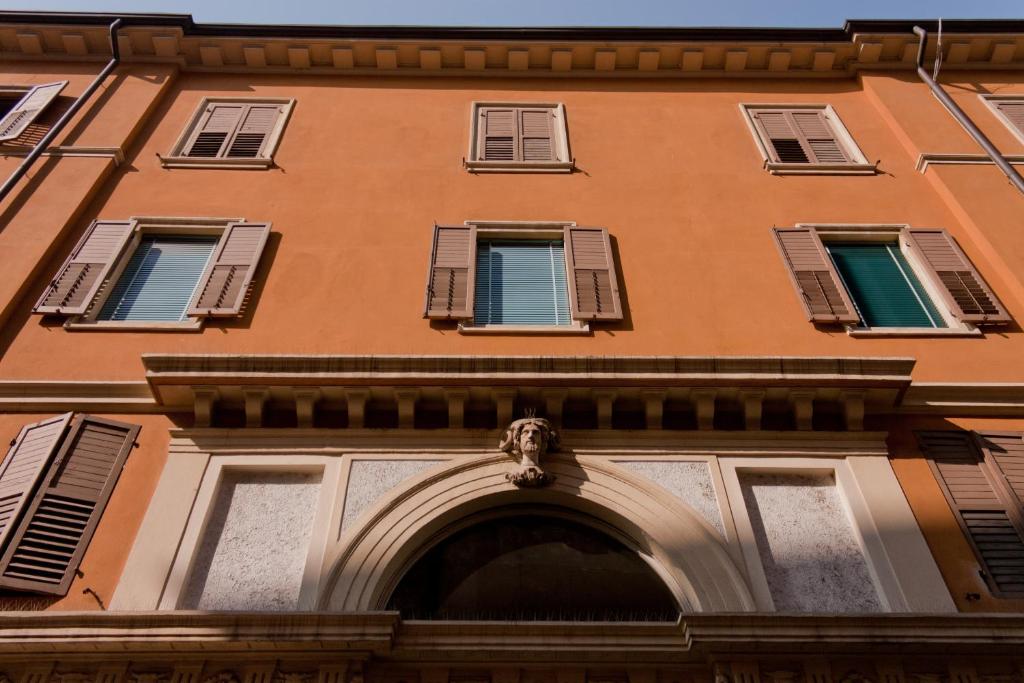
(818, 13)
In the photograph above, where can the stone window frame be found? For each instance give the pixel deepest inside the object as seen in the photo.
(564, 164)
(992, 100)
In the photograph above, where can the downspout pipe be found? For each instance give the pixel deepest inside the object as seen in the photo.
(997, 158)
(57, 127)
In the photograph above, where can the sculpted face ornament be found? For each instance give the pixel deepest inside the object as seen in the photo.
(528, 440)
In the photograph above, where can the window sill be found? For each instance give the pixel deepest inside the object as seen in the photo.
(190, 325)
(777, 168)
(474, 166)
(224, 163)
(914, 332)
(575, 328)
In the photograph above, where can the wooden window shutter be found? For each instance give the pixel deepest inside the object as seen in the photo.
(969, 297)
(210, 137)
(48, 545)
(223, 285)
(452, 273)
(498, 134)
(1014, 113)
(256, 124)
(25, 463)
(988, 514)
(799, 137)
(593, 288)
(73, 287)
(536, 135)
(25, 111)
(814, 275)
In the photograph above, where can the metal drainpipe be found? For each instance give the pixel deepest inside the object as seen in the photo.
(964, 120)
(72, 110)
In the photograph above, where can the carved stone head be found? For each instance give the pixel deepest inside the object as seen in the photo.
(527, 440)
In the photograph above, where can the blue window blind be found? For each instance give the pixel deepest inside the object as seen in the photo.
(883, 286)
(521, 282)
(159, 280)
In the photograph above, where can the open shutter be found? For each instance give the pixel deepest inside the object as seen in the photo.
(452, 273)
(813, 274)
(1014, 113)
(48, 545)
(536, 135)
(818, 138)
(593, 289)
(20, 471)
(76, 283)
(968, 295)
(257, 122)
(223, 284)
(990, 520)
(218, 123)
(25, 112)
(498, 134)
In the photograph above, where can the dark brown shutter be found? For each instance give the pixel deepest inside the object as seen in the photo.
(799, 137)
(813, 274)
(593, 288)
(73, 287)
(48, 545)
(452, 273)
(498, 134)
(989, 517)
(25, 111)
(257, 122)
(1014, 113)
(225, 281)
(968, 295)
(217, 124)
(536, 135)
(25, 463)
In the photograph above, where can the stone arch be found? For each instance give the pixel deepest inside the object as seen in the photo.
(368, 561)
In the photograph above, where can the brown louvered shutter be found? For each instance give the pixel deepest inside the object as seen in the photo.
(47, 547)
(1014, 113)
(452, 273)
(498, 134)
(257, 122)
(76, 283)
(536, 135)
(968, 295)
(813, 274)
(593, 288)
(990, 519)
(800, 137)
(224, 283)
(25, 112)
(25, 463)
(218, 123)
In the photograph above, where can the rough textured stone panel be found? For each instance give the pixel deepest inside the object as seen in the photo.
(688, 481)
(368, 480)
(807, 544)
(254, 549)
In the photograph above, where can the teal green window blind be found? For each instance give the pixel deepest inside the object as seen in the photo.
(160, 279)
(883, 285)
(521, 282)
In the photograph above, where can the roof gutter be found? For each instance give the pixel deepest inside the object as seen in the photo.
(57, 127)
(997, 158)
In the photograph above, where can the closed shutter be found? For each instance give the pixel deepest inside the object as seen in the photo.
(537, 135)
(799, 137)
(968, 295)
(25, 112)
(814, 276)
(72, 289)
(498, 132)
(1014, 113)
(20, 471)
(222, 287)
(990, 518)
(48, 545)
(257, 122)
(218, 123)
(593, 288)
(451, 279)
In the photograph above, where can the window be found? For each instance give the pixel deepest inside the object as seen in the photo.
(887, 280)
(1010, 110)
(54, 484)
(512, 277)
(19, 107)
(804, 139)
(156, 273)
(231, 132)
(518, 137)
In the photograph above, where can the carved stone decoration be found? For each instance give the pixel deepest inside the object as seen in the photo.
(528, 440)
(72, 677)
(856, 677)
(294, 677)
(4, 678)
(222, 677)
(147, 676)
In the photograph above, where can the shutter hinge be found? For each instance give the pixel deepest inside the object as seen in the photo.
(13, 441)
